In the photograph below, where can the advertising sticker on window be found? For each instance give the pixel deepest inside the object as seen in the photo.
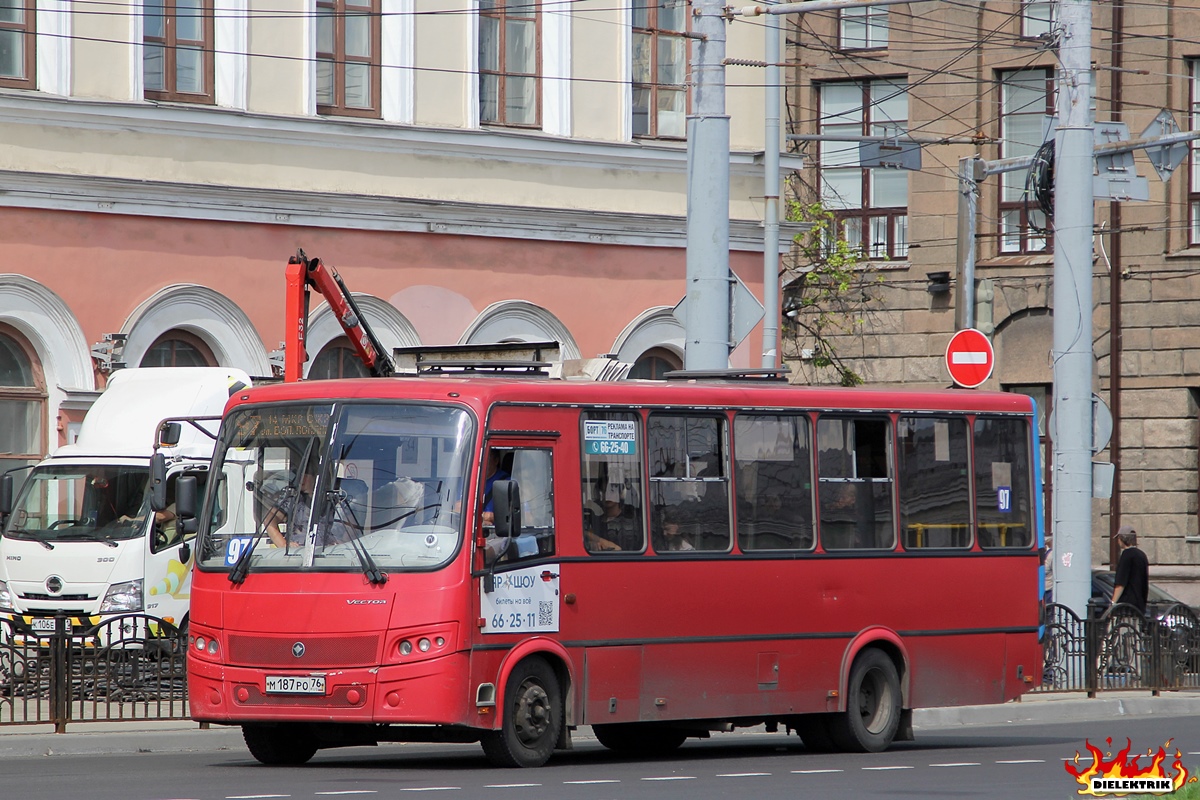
(610, 437)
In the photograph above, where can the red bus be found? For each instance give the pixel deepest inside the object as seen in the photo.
(655, 559)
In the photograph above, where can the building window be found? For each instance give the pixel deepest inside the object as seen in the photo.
(17, 29)
(1026, 99)
(337, 360)
(510, 63)
(659, 70)
(1194, 181)
(177, 51)
(22, 406)
(178, 349)
(869, 204)
(863, 28)
(654, 364)
(1037, 18)
(348, 45)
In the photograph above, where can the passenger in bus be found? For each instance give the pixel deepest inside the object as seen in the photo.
(671, 538)
(495, 472)
(618, 528)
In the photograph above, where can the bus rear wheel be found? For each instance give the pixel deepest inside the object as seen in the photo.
(279, 745)
(645, 738)
(872, 714)
(532, 720)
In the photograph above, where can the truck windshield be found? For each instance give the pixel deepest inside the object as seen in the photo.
(318, 486)
(81, 503)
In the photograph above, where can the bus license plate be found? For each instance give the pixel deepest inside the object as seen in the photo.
(295, 684)
(46, 624)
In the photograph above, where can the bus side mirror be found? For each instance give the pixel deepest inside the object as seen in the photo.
(185, 503)
(168, 434)
(6, 487)
(506, 507)
(158, 482)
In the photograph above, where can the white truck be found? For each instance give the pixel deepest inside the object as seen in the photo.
(83, 536)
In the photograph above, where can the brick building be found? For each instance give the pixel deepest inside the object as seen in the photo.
(985, 72)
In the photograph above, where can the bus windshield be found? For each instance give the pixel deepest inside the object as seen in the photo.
(83, 503)
(338, 487)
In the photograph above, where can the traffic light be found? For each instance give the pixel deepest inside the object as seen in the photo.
(985, 293)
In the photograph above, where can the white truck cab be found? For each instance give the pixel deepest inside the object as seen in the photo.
(81, 537)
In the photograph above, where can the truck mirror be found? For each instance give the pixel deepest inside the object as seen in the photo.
(6, 489)
(506, 507)
(185, 503)
(168, 434)
(158, 482)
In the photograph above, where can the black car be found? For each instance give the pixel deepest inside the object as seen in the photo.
(1158, 600)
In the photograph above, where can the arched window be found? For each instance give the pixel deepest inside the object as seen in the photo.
(22, 404)
(337, 360)
(654, 364)
(178, 349)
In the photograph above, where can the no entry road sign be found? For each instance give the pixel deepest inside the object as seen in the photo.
(970, 358)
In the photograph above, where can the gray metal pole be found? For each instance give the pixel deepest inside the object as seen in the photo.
(771, 307)
(968, 205)
(1074, 217)
(708, 278)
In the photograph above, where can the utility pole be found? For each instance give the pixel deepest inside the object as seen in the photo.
(1074, 217)
(706, 327)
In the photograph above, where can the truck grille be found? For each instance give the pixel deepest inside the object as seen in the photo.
(46, 598)
(319, 652)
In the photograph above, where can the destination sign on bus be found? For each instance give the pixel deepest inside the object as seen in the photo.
(610, 437)
(283, 422)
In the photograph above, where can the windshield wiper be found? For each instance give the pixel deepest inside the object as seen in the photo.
(370, 569)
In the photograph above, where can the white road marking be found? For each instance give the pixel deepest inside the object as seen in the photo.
(883, 768)
(744, 775)
(254, 796)
(349, 791)
(583, 783)
(958, 764)
(815, 771)
(672, 778)
(1028, 761)
(511, 785)
(432, 789)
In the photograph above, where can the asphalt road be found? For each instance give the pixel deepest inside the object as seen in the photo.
(997, 762)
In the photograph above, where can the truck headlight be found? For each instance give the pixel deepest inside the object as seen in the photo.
(6, 600)
(123, 597)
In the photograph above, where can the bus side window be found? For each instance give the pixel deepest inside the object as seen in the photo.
(533, 472)
(1002, 468)
(854, 487)
(689, 480)
(774, 482)
(611, 469)
(934, 482)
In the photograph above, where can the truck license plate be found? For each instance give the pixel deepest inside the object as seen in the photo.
(46, 624)
(295, 684)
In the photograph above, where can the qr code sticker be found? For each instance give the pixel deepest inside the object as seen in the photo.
(545, 612)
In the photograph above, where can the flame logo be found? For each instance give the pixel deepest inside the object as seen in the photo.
(1120, 775)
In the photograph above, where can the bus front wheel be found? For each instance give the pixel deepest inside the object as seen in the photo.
(533, 717)
(872, 714)
(279, 745)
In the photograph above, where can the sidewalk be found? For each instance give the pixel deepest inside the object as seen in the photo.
(182, 736)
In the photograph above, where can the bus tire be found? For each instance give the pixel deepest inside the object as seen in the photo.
(532, 719)
(279, 745)
(645, 738)
(813, 730)
(872, 714)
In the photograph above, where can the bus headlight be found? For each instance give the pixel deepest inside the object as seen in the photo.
(123, 597)
(6, 600)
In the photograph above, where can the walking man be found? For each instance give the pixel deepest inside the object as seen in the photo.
(1133, 571)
